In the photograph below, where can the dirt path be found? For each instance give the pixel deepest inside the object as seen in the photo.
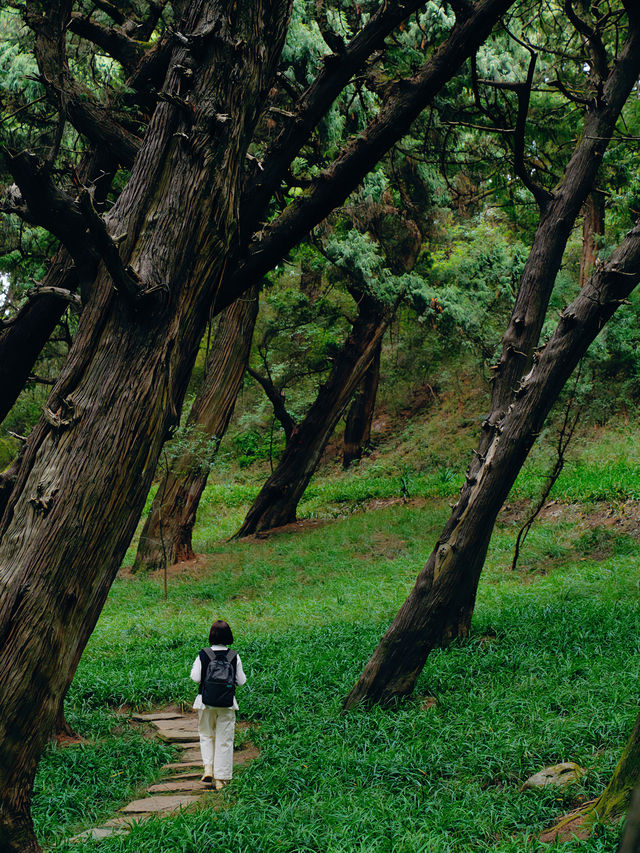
(181, 787)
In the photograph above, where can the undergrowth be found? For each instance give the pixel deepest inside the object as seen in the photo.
(549, 674)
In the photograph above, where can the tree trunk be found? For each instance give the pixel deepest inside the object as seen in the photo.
(631, 840)
(166, 536)
(592, 228)
(24, 339)
(88, 463)
(277, 502)
(357, 430)
(440, 604)
(616, 797)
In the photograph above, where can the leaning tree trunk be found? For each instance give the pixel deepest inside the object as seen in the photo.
(88, 463)
(357, 430)
(166, 536)
(278, 499)
(439, 604)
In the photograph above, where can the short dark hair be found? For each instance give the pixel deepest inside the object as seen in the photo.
(220, 634)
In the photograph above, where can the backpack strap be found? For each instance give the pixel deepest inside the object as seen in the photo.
(232, 657)
(209, 653)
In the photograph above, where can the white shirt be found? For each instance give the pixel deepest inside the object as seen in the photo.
(196, 675)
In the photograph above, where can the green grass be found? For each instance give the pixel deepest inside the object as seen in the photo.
(549, 674)
(79, 786)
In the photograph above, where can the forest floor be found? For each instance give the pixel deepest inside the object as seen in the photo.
(549, 673)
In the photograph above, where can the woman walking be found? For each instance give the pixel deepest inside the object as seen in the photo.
(217, 669)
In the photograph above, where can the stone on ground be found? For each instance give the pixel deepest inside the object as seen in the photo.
(180, 785)
(159, 803)
(558, 775)
(160, 715)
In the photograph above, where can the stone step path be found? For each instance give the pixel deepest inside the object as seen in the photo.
(181, 789)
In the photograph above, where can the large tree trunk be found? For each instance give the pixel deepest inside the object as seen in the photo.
(89, 462)
(166, 536)
(439, 605)
(438, 611)
(357, 430)
(277, 502)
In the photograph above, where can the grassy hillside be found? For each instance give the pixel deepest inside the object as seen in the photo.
(549, 674)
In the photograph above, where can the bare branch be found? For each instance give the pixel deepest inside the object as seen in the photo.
(125, 279)
(541, 195)
(41, 202)
(66, 295)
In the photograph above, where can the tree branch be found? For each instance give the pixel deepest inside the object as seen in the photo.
(276, 398)
(123, 49)
(333, 186)
(89, 117)
(598, 52)
(42, 203)
(541, 195)
(125, 279)
(313, 104)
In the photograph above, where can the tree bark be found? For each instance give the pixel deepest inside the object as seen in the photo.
(592, 228)
(23, 340)
(439, 606)
(357, 430)
(166, 536)
(616, 797)
(88, 463)
(631, 840)
(277, 502)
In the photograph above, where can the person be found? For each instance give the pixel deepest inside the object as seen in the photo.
(216, 726)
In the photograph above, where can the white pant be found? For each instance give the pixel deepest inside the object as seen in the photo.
(217, 724)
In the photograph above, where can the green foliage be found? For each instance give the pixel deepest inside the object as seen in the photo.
(253, 446)
(474, 279)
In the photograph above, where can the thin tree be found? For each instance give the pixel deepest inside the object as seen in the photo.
(357, 429)
(277, 502)
(166, 535)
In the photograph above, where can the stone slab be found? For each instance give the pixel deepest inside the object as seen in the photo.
(159, 803)
(98, 833)
(179, 765)
(125, 822)
(180, 785)
(162, 715)
(192, 755)
(189, 723)
(177, 736)
(192, 774)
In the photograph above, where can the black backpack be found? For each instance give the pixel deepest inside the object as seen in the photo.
(219, 682)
